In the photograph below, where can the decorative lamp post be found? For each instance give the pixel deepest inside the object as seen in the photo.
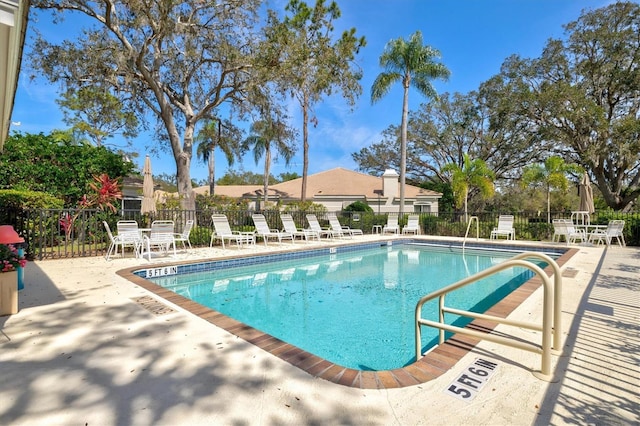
(8, 235)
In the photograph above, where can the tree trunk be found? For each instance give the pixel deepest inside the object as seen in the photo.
(466, 214)
(403, 143)
(267, 164)
(183, 167)
(182, 153)
(610, 189)
(212, 172)
(305, 147)
(548, 204)
(185, 189)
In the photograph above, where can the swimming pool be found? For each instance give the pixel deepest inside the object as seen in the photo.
(353, 307)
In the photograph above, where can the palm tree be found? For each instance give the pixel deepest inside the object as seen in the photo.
(210, 137)
(414, 65)
(474, 173)
(551, 175)
(264, 133)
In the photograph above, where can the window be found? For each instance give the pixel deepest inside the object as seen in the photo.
(422, 208)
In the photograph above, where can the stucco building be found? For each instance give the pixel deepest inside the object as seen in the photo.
(336, 189)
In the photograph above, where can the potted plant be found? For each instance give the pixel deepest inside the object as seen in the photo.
(10, 260)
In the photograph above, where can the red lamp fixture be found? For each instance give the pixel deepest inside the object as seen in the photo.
(8, 235)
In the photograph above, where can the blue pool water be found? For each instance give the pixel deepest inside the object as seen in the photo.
(355, 309)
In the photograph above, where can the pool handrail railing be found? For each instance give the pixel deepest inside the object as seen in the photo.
(556, 349)
(466, 234)
(549, 307)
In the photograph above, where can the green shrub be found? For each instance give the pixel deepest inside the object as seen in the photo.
(221, 203)
(306, 206)
(28, 200)
(358, 206)
(534, 231)
(200, 236)
(429, 224)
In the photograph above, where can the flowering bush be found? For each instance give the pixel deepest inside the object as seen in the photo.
(10, 259)
(106, 191)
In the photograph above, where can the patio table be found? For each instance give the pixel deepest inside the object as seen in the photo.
(248, 237)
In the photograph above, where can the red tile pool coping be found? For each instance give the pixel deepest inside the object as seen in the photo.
(431, 365)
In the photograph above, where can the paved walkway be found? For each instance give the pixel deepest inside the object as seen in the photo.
(85, 349)
(600, 372)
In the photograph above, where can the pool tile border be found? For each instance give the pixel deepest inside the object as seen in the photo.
(254, 259)
(433, 364)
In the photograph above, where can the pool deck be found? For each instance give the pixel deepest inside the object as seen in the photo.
(90, 347)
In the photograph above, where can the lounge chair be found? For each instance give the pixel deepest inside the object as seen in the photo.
(340, 229)
(315, 226)
(335, 227)
(392, 225)
(160, 237)
(613, 230)
(504, 228)
(290, 227)
(222, 232)
(565, 228)
(263, 231)
(183, 237)
(413, 225)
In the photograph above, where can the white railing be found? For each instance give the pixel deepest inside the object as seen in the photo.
(550, 315)
(466, 234)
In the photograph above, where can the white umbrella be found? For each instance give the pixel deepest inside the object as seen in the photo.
(586, 195)
(148, 202)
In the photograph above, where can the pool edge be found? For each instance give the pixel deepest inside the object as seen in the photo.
(433, 364)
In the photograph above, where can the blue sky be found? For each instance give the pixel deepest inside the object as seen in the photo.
(473, 36)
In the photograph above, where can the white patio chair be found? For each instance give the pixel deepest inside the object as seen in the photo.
(565, 228)
(114, 242)
(315, 226)
(263, 231)
(342, 229)
(160, 237)
(392, 226)
(129, 235)
(290, 227)
(127, 225)
(559, 229)
(222, 232)
(574, 233)
(183, 237)
(413, 225)
(504, 228)
(613, 230)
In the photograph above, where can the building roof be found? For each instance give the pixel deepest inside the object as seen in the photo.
(333, 183)
(234, 191)
(343, 182)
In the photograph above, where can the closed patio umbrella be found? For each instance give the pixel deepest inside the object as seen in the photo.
(148, 202)
(586, 195)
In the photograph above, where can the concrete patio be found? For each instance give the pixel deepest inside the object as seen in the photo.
(85, 349)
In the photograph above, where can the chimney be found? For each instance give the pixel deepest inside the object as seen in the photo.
(390, 183)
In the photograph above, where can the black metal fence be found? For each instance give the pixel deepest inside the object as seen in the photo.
(63, 233)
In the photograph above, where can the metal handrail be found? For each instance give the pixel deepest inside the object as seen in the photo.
(466, 234)
(547, 316)
(557, 296)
